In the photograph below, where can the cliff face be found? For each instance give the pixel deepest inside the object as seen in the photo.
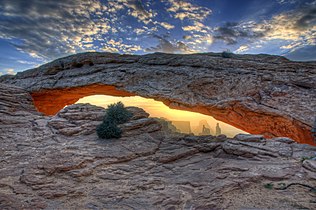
(58, 162)
(260, 94)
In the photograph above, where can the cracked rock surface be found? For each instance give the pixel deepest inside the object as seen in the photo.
(59, 163)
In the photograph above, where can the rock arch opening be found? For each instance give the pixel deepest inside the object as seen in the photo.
(50, 101)
(180, 121)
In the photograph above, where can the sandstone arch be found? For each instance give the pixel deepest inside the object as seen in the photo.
(260, 94)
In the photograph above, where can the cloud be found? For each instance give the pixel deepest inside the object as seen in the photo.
(116, 46)
(167, 25)
(187, 37)
(306, 53)
(202, 39)
(139, 31)
(294, 29)
(306, 18)
(196, 27)
(231, 32)
(242, 48)
(290, 46)
(297, 28)
(184, 10)
(26, 62)
(54, 28)
(166, 46)
(10, 71)
(287, 1)
(49, 29)
(292, 25)
(138, 10)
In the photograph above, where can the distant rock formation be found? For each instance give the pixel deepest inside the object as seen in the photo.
(167, 124)
(58, 162)
(260, 94)
(199, 129)
(205, 131)
(182, 126)
(218, 130)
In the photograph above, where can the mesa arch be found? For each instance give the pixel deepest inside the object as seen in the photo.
(260, 94)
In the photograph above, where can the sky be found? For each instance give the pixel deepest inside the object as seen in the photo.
(158, 109)
(33, 32)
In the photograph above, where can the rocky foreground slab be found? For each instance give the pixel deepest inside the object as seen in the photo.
(59, 163)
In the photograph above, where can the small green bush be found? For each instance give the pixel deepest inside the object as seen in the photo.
(108, 130)
(268, 186)
(115, 114)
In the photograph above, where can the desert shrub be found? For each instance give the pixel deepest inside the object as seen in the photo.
(108, 130)
(268, 186)
(115, 114)
(227, 54)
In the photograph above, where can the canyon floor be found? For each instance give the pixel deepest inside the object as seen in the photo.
(59, 163)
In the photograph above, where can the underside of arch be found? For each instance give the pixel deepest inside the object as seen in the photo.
(236, 114)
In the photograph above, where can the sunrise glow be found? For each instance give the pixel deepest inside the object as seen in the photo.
(158, 109)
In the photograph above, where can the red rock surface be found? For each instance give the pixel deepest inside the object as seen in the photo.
(50, 102)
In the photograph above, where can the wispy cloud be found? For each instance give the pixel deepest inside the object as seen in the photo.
(167, 25)
(296, 28)
(135, 8)
(54, 28)
(26, 62)
(231, 32)
(242, 49)
(287, 1)
(164, 45)
(182, 9)
(51, 28)
(117, 46)
(10, 71)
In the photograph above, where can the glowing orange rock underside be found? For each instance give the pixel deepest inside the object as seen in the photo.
(50, 102)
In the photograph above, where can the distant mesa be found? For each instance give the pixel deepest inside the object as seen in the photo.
(183, 126)
(167, 125)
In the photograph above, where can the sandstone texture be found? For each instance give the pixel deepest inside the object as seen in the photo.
(58, 162)
(261, 94)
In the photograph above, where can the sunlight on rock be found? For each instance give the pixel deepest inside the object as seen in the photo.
(184, 121)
